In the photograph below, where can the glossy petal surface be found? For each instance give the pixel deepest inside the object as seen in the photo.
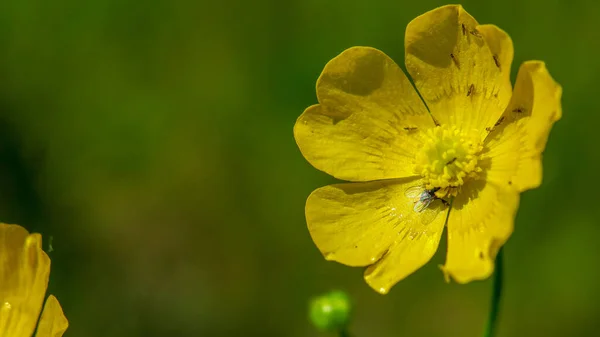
(515, 146)
(501, 47)
(454, 69)
(368, 122)
(480, 222)
(358, 224)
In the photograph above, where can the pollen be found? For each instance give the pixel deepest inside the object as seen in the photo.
(448, 158)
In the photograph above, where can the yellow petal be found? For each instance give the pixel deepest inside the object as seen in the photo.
(507, 155)
(480, 222)
(454, 69)
(358, 223)
(413, 248)
(53, 322)
(501, 46)
(24, 270)
(367, 124)
(538, 96)
(516, 145)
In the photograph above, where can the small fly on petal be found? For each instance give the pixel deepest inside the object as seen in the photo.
(422, 199)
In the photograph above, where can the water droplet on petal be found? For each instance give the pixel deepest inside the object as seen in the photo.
(7, 306)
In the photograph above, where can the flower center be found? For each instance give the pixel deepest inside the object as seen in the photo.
(449, 156)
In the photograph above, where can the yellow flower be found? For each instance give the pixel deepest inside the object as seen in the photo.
(24, 272)
(458, 160)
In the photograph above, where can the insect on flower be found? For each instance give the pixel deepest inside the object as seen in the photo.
(423, 199)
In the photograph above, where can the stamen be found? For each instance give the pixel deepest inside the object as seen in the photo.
(448, 158)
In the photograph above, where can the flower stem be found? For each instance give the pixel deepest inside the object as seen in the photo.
(496, 294)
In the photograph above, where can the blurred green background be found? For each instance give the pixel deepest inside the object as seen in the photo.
(153, 141)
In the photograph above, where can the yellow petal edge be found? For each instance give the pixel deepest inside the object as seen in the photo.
(374, 224)
(53, 322)
(364, 127)
(24, 273)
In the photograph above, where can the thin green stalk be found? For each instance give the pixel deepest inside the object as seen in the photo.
(344, 333)
(490, 329)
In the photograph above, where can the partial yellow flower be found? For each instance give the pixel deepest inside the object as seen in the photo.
(458, 158)
(24, 272)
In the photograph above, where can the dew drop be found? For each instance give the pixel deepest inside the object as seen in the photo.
(7, 306)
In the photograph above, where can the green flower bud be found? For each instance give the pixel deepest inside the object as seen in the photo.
(331, 311)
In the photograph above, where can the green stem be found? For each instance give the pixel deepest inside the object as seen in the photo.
(344, 333)
(496, 294)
